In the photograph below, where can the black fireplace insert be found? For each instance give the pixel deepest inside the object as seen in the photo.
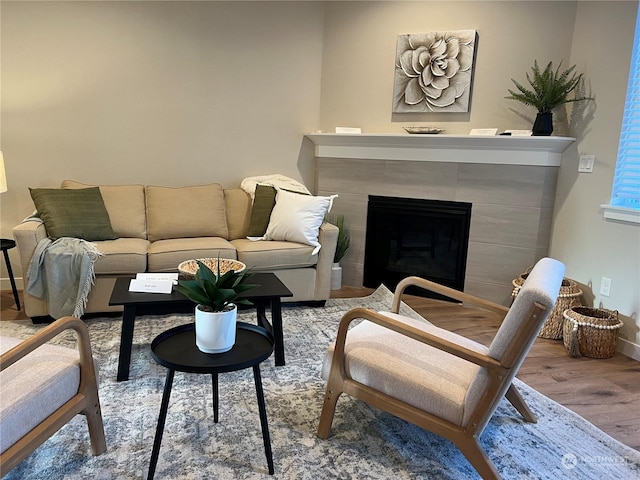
(407, 236)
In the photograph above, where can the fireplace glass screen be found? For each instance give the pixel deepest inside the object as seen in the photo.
(426, 238)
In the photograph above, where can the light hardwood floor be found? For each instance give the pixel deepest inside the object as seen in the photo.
(604, 391)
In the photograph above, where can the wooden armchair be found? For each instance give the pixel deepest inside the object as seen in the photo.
(43, 387)
(433, 378)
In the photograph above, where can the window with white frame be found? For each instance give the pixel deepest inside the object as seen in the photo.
(625, 194)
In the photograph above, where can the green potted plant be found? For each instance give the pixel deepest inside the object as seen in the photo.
(216, 296)
(342, 245)
(549, 89)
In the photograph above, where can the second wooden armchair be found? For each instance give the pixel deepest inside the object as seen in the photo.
(433, 378)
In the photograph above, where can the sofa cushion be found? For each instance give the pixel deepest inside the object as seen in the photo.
(238, 210)
(73, 213)
(166, 255)
(197, 211)
(263, 255)
(263, 202)
(34, 387)
(125, 204)
(297, 218)
(122, 256)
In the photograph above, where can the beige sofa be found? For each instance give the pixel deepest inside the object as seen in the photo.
(159, 227)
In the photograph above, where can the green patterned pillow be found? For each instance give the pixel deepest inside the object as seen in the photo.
(263, 203)
(73, 213)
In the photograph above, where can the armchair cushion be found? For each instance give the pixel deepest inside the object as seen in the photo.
(53, 378)
(73, 213)
(418, 374)
(540, 288)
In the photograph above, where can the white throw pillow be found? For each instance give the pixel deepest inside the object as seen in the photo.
(297, 218)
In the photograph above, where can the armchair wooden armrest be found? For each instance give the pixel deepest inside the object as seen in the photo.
(49, 332)
(447, 292)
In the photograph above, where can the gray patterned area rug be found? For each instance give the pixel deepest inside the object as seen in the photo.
(365, 443)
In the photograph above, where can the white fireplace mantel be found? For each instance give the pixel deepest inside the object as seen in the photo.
(502, 150)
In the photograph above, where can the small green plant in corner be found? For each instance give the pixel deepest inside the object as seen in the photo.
(215, 292)
(344, 239)
(549, 87)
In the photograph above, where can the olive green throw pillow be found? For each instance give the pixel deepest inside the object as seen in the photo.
(73, 213)
(263, 203)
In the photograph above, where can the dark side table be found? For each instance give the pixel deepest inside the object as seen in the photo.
(6, 245)
(176, 349)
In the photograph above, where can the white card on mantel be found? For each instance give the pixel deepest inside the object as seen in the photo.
(348, 130)
(483, 131)
(150, 286)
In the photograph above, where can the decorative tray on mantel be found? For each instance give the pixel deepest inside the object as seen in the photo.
(423, 130)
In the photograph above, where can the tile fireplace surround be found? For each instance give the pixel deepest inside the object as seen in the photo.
(510, 182)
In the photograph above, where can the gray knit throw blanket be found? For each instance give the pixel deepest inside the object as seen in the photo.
(61, 272)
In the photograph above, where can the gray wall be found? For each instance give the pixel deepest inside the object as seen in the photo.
(178, 93)
(169, 93)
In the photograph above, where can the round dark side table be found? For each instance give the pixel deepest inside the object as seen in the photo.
(6, 245)
(176, 349)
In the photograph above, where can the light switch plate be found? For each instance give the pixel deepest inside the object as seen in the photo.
(586, 163)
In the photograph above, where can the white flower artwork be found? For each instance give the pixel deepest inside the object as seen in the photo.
(434, 72)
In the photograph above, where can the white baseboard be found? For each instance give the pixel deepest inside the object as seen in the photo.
(5, 283)
(629, 349)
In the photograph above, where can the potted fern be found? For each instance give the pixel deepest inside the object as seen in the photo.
(216, 296)
(342, 245)
(549, 89)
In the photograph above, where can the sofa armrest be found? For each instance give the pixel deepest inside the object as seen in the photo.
(328, 238)
(27, 235)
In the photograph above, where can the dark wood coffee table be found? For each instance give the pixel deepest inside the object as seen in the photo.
(176, 349)
(269, 294)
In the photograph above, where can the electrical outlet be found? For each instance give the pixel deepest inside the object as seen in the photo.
(605, 287)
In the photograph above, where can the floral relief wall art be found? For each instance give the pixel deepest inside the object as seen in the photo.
(434, 72)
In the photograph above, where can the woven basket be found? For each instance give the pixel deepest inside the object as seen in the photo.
(187, 269)
(568, 297)
(591, 332)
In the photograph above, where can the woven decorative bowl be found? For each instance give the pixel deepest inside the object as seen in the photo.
(187, 269)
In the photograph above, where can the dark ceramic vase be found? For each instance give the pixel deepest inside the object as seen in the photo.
(543, 124)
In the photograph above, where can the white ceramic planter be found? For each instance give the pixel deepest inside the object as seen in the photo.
(336, 277)
(216, 331)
